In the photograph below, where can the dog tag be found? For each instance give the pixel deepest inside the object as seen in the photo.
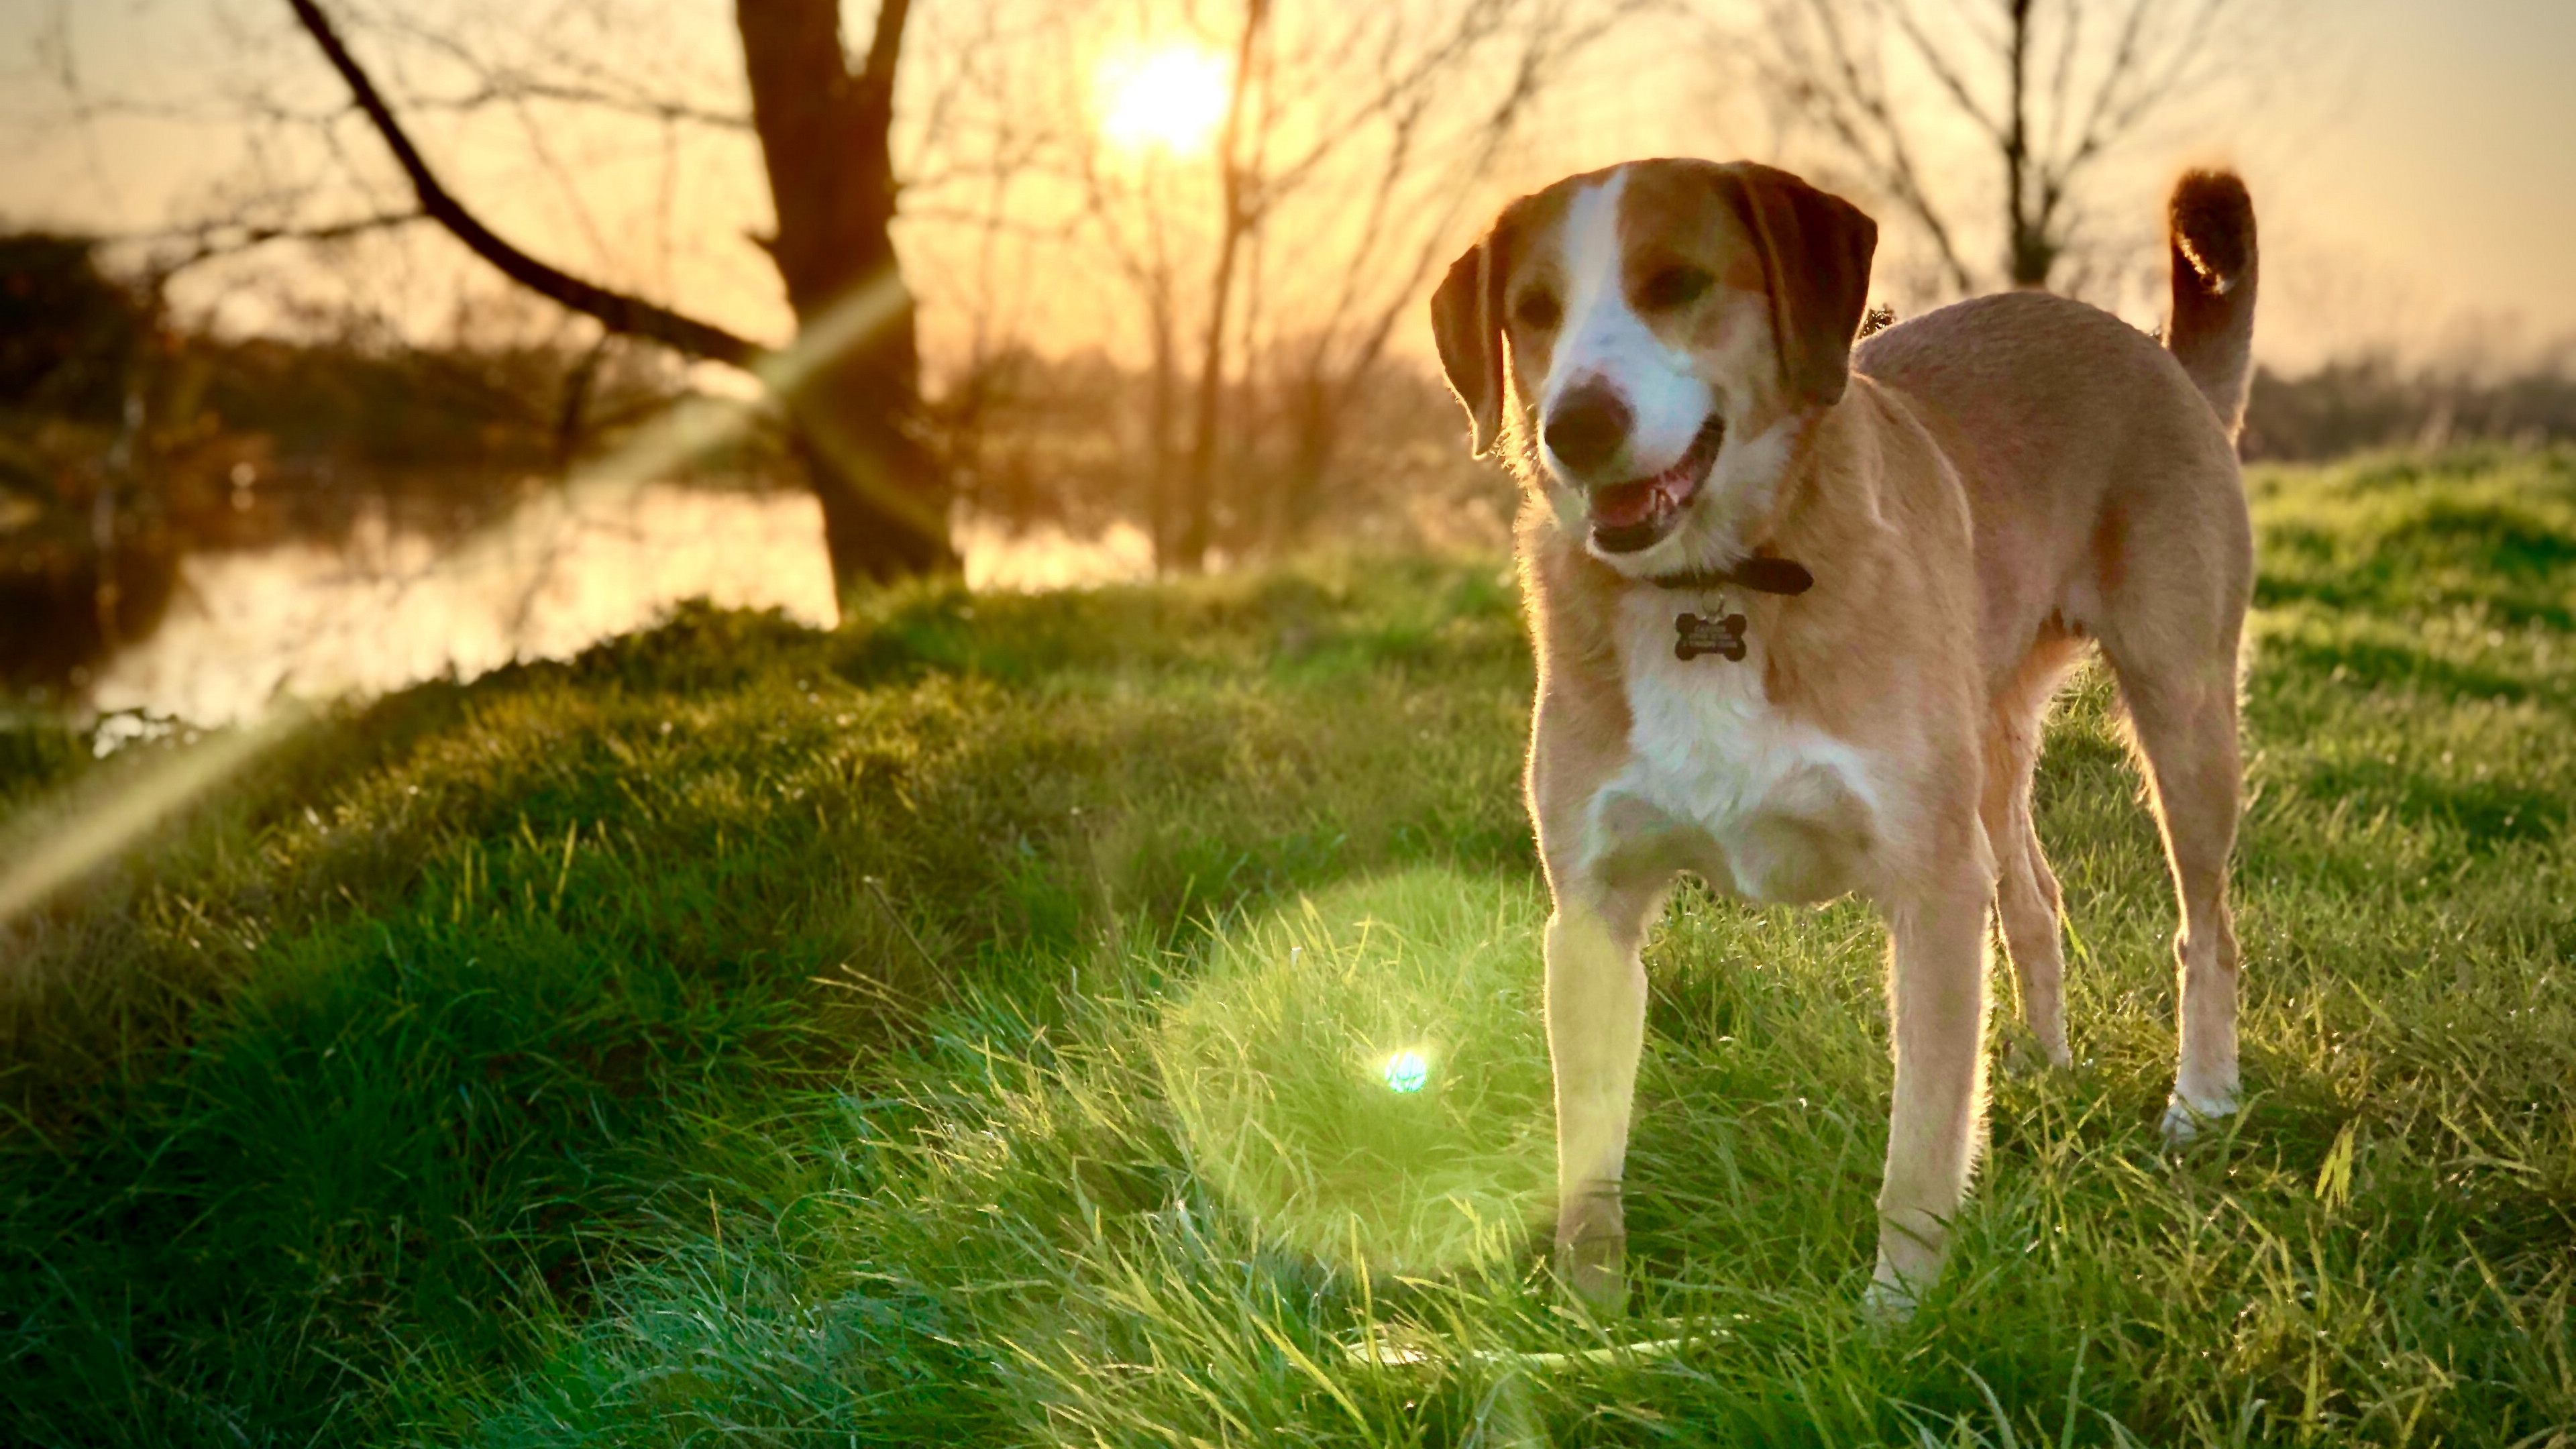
(1698, 634)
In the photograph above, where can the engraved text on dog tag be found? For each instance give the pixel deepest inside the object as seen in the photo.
(1699, 634)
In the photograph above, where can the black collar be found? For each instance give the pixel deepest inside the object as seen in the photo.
(1760, 574)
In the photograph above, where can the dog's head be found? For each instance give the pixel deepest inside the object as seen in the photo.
(1646, 341)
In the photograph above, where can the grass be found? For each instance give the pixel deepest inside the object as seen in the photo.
(1366, 1076)
(744, 1034)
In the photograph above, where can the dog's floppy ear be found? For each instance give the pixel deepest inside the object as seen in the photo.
(1467, 323)
(1816, 250)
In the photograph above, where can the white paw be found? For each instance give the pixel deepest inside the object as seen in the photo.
(1909, 1263)
(2184, 1119)
(1888, 1300)
(1594, 1271)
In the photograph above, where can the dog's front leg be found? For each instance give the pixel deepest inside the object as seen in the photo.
(1937, 1004)
(1596, 1024)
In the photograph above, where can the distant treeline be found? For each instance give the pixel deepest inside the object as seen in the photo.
(128, 440)
(2348, 407)
(1082, 442)
(96, 380)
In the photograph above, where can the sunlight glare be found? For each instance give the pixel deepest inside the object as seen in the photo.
(1363, 1074)
(1171, 97)
(55, 841)
(1406, 1071)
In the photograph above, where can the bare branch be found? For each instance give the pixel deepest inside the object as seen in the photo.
(512, 87)
(616, 311)
(594, 88)
(1855, 109)
(2061, 76)
(224, 239)
(1945, 73)
(2068, 96)
(885, 46)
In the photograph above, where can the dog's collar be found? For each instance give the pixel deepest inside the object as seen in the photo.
(1719, 633)
(1760, 574)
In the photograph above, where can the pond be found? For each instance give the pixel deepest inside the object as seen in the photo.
(389, 607)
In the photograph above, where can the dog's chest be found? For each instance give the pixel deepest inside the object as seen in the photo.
(1722, 782)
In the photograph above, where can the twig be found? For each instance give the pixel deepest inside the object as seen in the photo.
(245, 236)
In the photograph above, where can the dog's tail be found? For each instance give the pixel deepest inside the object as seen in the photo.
(2210, 223)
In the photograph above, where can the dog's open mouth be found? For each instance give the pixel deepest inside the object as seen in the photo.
(1629, 516)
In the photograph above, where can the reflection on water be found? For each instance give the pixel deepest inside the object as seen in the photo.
(391, 607)
(1047, 557)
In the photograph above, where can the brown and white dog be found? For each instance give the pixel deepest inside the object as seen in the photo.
(1664, 352)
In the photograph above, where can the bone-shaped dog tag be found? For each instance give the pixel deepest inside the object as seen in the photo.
(1698, 634)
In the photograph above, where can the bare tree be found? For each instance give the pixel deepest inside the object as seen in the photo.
(1413, 170)
(1265, 278)
(2047, 90)
(1235, 220)
(1353, 140)
(826, 134)
(853, 391)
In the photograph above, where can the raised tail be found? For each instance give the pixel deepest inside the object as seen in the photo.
(2210, 223)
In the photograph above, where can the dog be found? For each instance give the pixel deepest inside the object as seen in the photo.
(1800, 607)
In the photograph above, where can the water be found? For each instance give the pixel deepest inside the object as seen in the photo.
(392, 607)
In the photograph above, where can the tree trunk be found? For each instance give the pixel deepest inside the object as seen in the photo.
(2031, 251)
(1316, 418)
(857, 413)
(1164, 480)
(1197, 518)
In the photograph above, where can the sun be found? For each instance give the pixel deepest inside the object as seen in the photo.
(1168, 98)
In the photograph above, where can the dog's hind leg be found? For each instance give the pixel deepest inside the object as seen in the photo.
(2026, 894)
(2186, 729)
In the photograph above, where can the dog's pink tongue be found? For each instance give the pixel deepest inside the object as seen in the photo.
(1623, 505)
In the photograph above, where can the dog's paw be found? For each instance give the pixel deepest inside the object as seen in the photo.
(2185, 1120)
(2026, 1056)
(1594, 1272)
(1910, 1249)
(1888, 1299)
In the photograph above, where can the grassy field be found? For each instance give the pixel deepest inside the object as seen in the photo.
(744, 1034)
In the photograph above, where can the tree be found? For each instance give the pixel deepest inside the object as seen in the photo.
(851, 386)
(1234, 220)
(1415, 168)
(2048, 90)
(1356, 138)
(1266, 279)
(825, 135)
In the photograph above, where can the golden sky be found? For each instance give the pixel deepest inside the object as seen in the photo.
(2444, 174)
(2413, 166)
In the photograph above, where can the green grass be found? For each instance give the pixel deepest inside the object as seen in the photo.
(1366, 1076)
(744, 1034)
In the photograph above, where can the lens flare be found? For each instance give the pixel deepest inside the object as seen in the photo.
(1406, 1071)
(58, 840)
(1364, 1074)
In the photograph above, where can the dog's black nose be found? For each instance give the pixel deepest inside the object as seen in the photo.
(1588, 427)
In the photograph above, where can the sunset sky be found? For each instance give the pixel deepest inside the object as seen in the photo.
(2413, 167)
(2443, 167)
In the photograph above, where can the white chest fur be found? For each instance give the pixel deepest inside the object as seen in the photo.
(1722, 782)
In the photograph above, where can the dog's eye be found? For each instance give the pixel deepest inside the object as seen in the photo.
(1673, 287)
(1538, 309)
